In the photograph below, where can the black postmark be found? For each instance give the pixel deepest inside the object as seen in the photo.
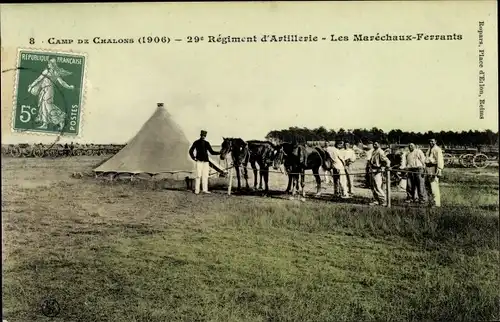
(50, 307)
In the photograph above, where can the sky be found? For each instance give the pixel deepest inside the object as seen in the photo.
(248, 89)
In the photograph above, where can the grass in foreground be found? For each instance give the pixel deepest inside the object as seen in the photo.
(139, 255)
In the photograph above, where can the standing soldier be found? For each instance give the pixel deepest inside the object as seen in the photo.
(414, 162)
(202, 148)
(349, 157)
(338, 169)
(377, 162)
(369, 151)
(434, 164)
(327, 174)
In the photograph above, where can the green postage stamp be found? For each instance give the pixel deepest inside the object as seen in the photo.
(48, 93)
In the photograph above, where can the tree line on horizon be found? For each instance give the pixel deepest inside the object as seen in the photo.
(396, 136)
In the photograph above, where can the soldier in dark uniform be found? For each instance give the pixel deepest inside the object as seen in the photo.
(202, 148)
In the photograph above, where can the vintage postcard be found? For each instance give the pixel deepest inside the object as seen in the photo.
(250, 161)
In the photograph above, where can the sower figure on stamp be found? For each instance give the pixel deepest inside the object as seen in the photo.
(43, 87)
(202, 148)
(378, 161)
(414, 162)
(434, 164)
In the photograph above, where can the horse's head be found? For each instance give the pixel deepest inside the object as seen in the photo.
(270, 155)
(396, 159)
(226, 147)
(236, 147)
(279, 156)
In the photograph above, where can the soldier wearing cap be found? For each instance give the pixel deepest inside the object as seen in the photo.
(349, 158)
(378, 161)
(414, 162)
(327, 173)
(368, 150)
(434, 164)
(338, 169)
(202, 147)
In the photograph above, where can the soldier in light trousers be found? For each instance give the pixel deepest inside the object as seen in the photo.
(378, 161)
(202, 148)
(349, 157)
(434, 164)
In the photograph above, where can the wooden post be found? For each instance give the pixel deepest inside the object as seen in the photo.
(230, 181)
(388, 187)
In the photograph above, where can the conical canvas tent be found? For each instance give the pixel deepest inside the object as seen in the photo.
(160, 147)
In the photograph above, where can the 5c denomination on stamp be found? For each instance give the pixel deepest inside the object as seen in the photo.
(49, 91)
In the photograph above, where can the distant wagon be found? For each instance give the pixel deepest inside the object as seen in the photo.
(468, 157)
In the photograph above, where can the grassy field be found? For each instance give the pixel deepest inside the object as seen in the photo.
(127, 252)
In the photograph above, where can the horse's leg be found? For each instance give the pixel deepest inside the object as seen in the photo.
(254, 168)
(318, 180)
(246, 176)
(262, 170)
(297, 184)
(266, 178)
(261, 175)
(289, 185)
(302, 182)
(238, 176)
(263, 178)
(292, 184)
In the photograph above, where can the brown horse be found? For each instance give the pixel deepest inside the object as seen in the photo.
(298, 158)
(261, 153)
(240, 156)
(264, 154)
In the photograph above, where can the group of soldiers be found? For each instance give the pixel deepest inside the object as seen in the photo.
(342, 156)
(423, 171)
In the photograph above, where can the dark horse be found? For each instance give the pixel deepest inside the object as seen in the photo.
(298, 158)
(240, 156)
(262, 153)
(396, 159)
